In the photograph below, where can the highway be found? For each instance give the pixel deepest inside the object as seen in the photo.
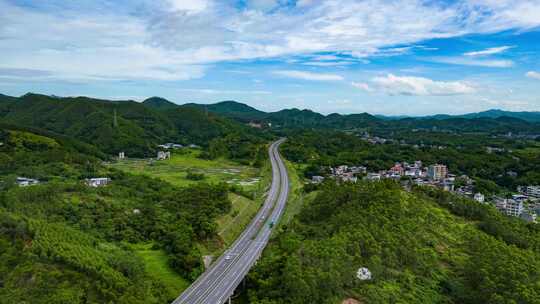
(221, 279)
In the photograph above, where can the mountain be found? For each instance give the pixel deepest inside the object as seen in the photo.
(495, 113)
(159, 103)
(232, 109)
(115, 126)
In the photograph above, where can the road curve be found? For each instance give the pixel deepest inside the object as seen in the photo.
(219, 282)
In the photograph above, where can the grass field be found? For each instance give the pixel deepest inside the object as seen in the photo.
(296, 195)
(156, 264)
(174, 170)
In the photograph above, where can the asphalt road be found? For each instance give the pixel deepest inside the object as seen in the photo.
(219, 282)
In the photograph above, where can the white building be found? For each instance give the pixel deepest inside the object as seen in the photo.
(25, 181)
(513, 207)
(479, 197)
(97, 181)
(317, 179)
(373, 176)
(533, 191)
(163, 155)
(121, 155)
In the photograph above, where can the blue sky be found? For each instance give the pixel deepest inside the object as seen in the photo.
(386, 57)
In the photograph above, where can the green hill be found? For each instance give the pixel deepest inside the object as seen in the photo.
(420, 247)
(115, 126)
(159, 103)
(64, 242)
(232, 109)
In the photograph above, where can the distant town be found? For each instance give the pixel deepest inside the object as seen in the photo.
(525, 203)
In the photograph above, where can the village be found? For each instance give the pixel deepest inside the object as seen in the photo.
(525, 203)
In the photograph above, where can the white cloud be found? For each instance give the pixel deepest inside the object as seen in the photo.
(490, 63)
(190, 6)
(419, 86)
(489, 51)
(146, 41)
(533, 74)
(308, 75)
(362, 85)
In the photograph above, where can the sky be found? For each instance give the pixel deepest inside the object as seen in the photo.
(392, 57)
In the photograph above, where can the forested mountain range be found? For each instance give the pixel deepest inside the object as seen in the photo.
(493, 121)
(114, 126)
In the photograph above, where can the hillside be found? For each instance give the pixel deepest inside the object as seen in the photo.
(417, 249)
(159, 103)
(232, 109)
(115, 126)
(64, 242)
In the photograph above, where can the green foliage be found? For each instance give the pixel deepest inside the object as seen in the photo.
(417, 253)
(116, 126)
(191, 175)
(64, 242)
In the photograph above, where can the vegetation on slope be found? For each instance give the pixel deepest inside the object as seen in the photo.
(416, 251)
(115, 126)
(64, 242)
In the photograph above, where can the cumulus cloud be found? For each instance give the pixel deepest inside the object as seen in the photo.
(419, 86)
(362, 86)
(489, 51)
(179, 39)
(308, 75)
(533, 74)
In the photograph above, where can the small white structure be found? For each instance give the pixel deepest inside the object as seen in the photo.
(163, 155)
(97, 181)
(136, 211)
(363, 274)
(317, 179)
(121, 155)
(25, 181)
(479, 197)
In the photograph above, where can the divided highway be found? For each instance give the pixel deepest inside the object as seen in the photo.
(219, 282)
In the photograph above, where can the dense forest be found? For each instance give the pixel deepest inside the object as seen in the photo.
(419, 248)
(64, 242)
(126, 126)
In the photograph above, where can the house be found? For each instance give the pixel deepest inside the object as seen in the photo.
(121, 155)
(514, 207)
(98, 181)
(349, 177)
(25, 181)
(255, 125)
(397, 169)
(373, 176)
(437, 172)
(163, 155)
(447, 185)
(479, 197)
(532, 191)
(317, 179)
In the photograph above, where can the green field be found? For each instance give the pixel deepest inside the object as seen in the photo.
(174, 170)
(253, 181)
(157, 266)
